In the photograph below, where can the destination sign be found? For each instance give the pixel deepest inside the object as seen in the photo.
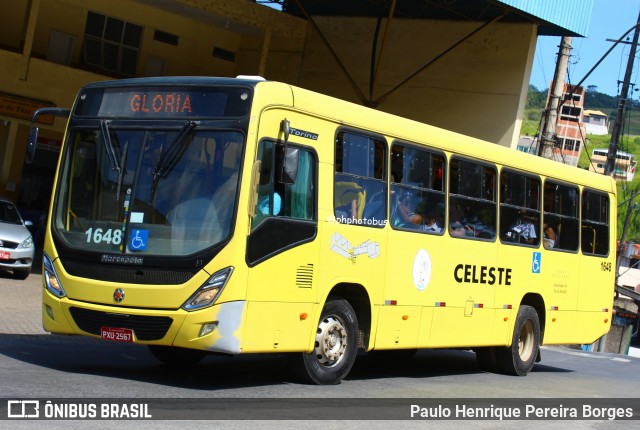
(163, 102)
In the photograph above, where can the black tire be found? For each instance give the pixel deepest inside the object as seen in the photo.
(177, 356)
(21, 274)
(335, 347)
(519, 358)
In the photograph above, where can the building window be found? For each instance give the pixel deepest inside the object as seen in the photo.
(111, 44)
(60, 48)
(164, 37)
(224, 54)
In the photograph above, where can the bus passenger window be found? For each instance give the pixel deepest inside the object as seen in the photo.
(472, 205)
(595, 223)
(519, 208)
(417, 195)
(360, 188)
(560, 203)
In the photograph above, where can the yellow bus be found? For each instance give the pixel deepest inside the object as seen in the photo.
(215, 215)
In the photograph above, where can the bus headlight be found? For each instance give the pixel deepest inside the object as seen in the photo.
(51, 278)
(209, 291)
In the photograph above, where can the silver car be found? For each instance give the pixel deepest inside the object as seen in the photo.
(16, 243)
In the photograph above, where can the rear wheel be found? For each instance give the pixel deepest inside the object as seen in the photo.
(177, 356)
(519, 358)
(335, 345)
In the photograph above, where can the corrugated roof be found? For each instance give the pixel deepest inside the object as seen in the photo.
(553, 17)
(573, 15)
(593, 112)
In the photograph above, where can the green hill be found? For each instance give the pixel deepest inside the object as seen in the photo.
(627, 143)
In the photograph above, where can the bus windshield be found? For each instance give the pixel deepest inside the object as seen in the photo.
(147, 190)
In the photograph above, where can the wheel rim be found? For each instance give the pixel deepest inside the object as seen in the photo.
(526, 342)
(331, 341)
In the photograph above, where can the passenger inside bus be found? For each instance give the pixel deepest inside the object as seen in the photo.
(523, 230)
(549, 239)
(431, 224)
(406, 213)
(458, 226)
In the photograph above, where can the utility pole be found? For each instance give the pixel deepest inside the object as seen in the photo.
(548, 133)
(622, 102)
(625, 228)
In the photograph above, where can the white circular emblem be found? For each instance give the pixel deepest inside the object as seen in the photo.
(118, 295)
(421, 270)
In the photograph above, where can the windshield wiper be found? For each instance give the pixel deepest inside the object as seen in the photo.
(108, 144)
(121, 171)
(169, 159)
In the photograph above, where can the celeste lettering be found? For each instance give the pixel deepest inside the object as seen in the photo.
(473, 274)
(172, 103)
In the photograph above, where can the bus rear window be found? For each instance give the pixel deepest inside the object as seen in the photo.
(164, 102)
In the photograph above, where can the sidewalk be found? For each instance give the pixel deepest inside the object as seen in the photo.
(21, 303)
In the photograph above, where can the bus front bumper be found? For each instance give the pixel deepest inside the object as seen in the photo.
(216, 328)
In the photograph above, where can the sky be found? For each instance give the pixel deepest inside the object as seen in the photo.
(610, 19)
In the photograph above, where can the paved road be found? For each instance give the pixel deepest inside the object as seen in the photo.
(36, 364)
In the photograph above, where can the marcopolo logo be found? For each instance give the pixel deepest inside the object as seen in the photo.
(121, 259)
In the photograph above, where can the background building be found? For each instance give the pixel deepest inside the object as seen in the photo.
(570, 130)
(625, 167)
(596, 122)
(462, 65)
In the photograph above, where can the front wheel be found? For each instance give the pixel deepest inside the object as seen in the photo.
(335, 346)
(519, 358)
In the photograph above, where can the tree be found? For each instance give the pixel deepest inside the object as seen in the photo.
(536, 98)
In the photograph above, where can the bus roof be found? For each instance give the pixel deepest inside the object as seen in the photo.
(177, 80)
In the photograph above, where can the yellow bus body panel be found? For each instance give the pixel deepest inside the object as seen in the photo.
(421, 290)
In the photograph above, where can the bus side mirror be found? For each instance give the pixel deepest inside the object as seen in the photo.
(288, 157)
(33, 132)
(31, 144)
(289, 171)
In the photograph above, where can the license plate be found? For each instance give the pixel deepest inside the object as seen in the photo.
(117, 334)
(4, 255)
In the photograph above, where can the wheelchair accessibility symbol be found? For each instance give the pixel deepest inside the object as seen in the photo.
(139, 239)
(536, 262)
